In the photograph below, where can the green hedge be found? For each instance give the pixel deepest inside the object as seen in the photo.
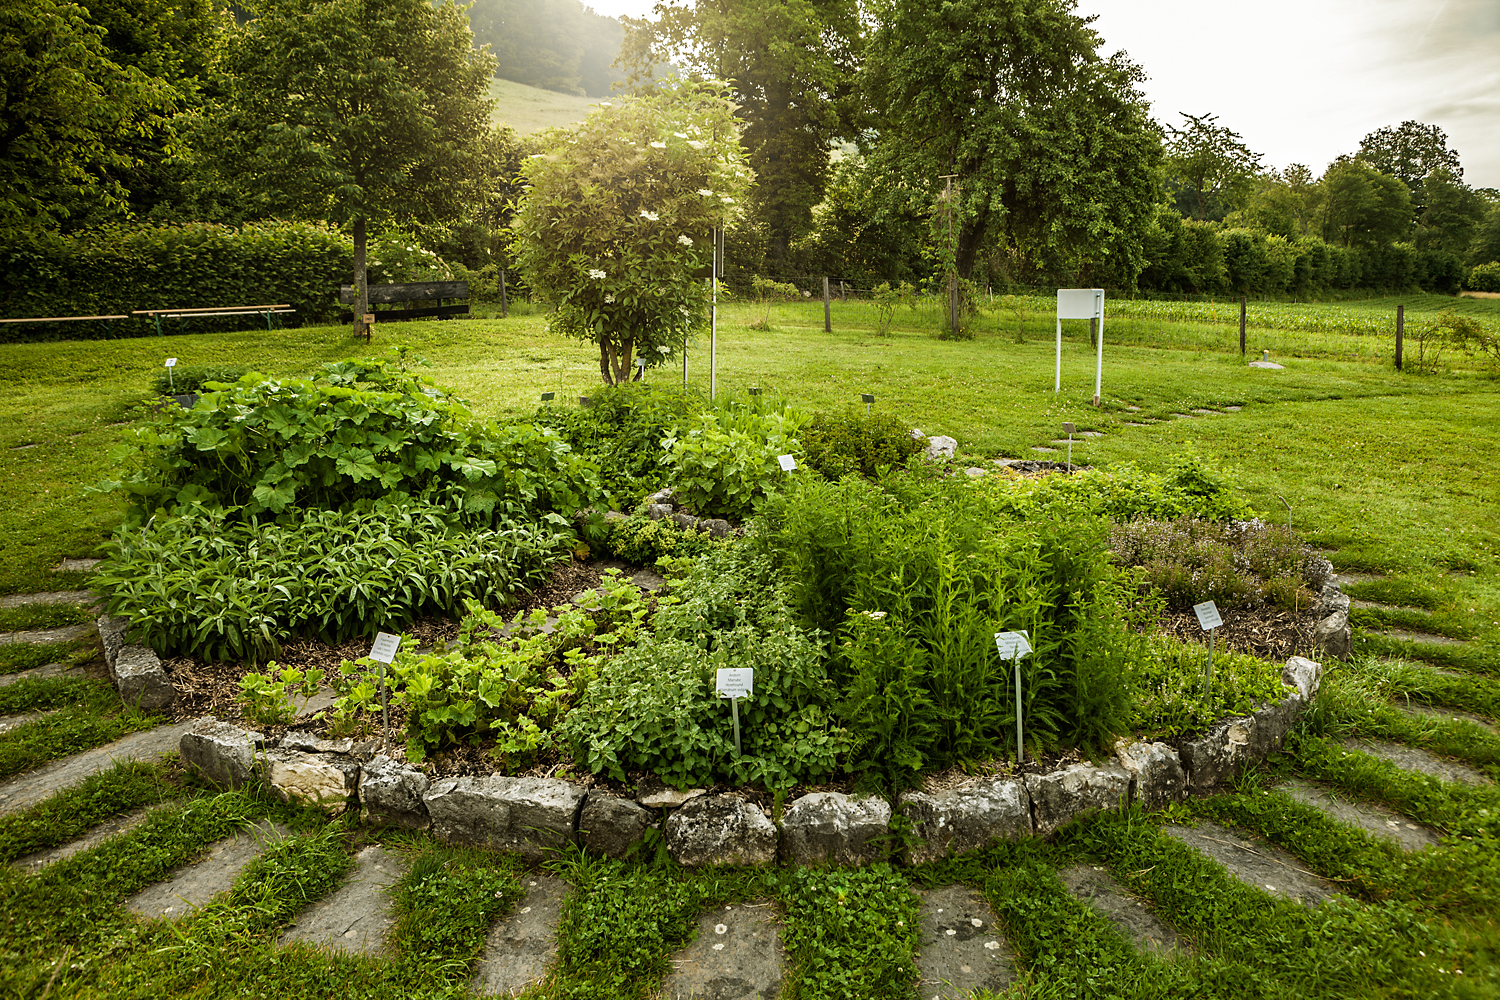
(119, 269)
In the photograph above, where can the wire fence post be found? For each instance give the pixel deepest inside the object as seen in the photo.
(1242, 326)
(827, 308)
(504, 305)
(1400, 330)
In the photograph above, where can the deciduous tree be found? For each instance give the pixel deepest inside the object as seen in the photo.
(1363, 207)
(358, 111)
(1209, 167)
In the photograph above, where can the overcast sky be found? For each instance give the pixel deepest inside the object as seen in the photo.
(1304, 80)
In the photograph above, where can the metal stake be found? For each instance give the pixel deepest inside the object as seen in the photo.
(734, 707)
(385, 710)
(1208, 685)
(1019, 749)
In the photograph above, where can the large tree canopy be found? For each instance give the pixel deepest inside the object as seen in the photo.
(1052, 145)
(1209, 169)
(791, 63)
(357, 111)
(1363, 207)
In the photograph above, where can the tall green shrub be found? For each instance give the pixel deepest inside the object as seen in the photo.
(122, 268)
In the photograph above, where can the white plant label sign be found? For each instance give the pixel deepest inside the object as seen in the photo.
(1012, 645)
(171, 362)
(384, 649)
(1208, 615)
(788, 463)
(735, 682)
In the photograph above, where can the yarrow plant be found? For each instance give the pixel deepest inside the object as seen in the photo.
(615, 224)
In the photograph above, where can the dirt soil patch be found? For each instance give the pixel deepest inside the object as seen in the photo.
(1268, 632)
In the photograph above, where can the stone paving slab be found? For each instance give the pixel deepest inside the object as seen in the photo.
(66, 633)
(27, 789)
(1443, 712)
(1131, 917)
(76, 565)
(37, 860)
(1255, 862)
(959, 948)
(1420, 637)
(191, 886)
(9, 722)
(1417, 759)
(1367, 816)
(49, 597)
(355, 917)
(47, 671)
(521, 949)
(736, 955)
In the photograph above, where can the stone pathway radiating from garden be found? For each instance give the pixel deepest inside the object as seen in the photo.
(356, 917)
(736, 955)
(30, 787)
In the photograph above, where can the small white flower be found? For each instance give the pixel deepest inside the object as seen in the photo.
(705, 192)
(609, 298)
(680, 135)
(684, 310)
(658, 145)
(663, 349)
(597, 274)
(650, 216)
(536, 156)
(696, 144)
(727, 200)
(875, 615)
(720, 928)
(605, 104)
(686, 241)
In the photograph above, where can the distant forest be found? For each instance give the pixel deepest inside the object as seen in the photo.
(558, 45)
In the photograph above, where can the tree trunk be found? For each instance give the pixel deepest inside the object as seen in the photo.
(361, 281)
(970, 239)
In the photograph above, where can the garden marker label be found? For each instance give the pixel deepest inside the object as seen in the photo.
(384, 649)
(1208, 615)
(171, 362)
(1013, 646)
(788, 463)
(735, 683)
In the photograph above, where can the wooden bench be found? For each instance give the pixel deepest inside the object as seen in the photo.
(269, 312)
(412, 291)
(68, 319)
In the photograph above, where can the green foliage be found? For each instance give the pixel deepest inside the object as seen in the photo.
(18, 656)
(206, 583)
(1484, 277)
(195, 378)
(82, 713)
(1471, 338)
(653, 706)
(1168, 679)
(121, 268)
(560, 45)
(1236, 564)
(914, 577)
(768, 290)
(838, 444)
(886, 299)
(724, 461)
(448, 901)
(618, 219)
(70, 813)
(1190, 488)
(28, 617)
(360, 432)
(622, 430)
(641, 541)
(270, 698)
(850, 933)
(1209, 169)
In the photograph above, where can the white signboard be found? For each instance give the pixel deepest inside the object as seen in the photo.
(384, 650)
(735, 682)
(1208, 615)
(1012, 645)
(788, 463)
(1080, 303)
(171, 362)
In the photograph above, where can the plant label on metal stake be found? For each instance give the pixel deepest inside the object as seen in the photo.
(383, 652)
(735, 683)
(868, 398)
(755, 390)
(1013, 646)
(788, 463)
(547, 398)
(171, 382)
(1208, 620)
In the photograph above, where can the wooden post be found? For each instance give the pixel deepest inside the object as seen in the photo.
(827, 309)
(504, 305)
(1242, 326)
(1400, 332)
(953, 302)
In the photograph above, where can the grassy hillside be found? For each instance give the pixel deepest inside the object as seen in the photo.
(531, 109)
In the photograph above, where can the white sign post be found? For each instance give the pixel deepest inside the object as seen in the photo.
(788, 462)
(1081, 303)
(1013, 646)
(171, 382)
(735, 683)
(383, 652)
(1208, 620)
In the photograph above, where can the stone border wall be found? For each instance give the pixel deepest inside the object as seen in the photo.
(534, 816)
(136, 670)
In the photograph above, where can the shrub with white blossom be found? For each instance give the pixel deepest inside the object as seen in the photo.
(618, 215)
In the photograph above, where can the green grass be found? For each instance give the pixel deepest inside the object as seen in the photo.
(81, 713)
(31, 617)
(530, 109)
(70, 813)
(18, 656)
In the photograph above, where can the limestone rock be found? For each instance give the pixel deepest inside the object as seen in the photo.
(311, 743)
(941, 446)
(1156, 770)
(527, 815)
(326, 780)
(611, 516)
(716, 527)
(661, 797)
(391, 792)
(1057, 797)
(1303, 674)
(662, 496)
(1212, 761)
(612, 824)
(975, 472)
(137, 670)
(223, 753)
(1333, 634)
(963, 819)
(720, 830)
(832, 827)
(685, 521)
(658, 511)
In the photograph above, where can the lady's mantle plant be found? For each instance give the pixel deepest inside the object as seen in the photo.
(618, 220)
